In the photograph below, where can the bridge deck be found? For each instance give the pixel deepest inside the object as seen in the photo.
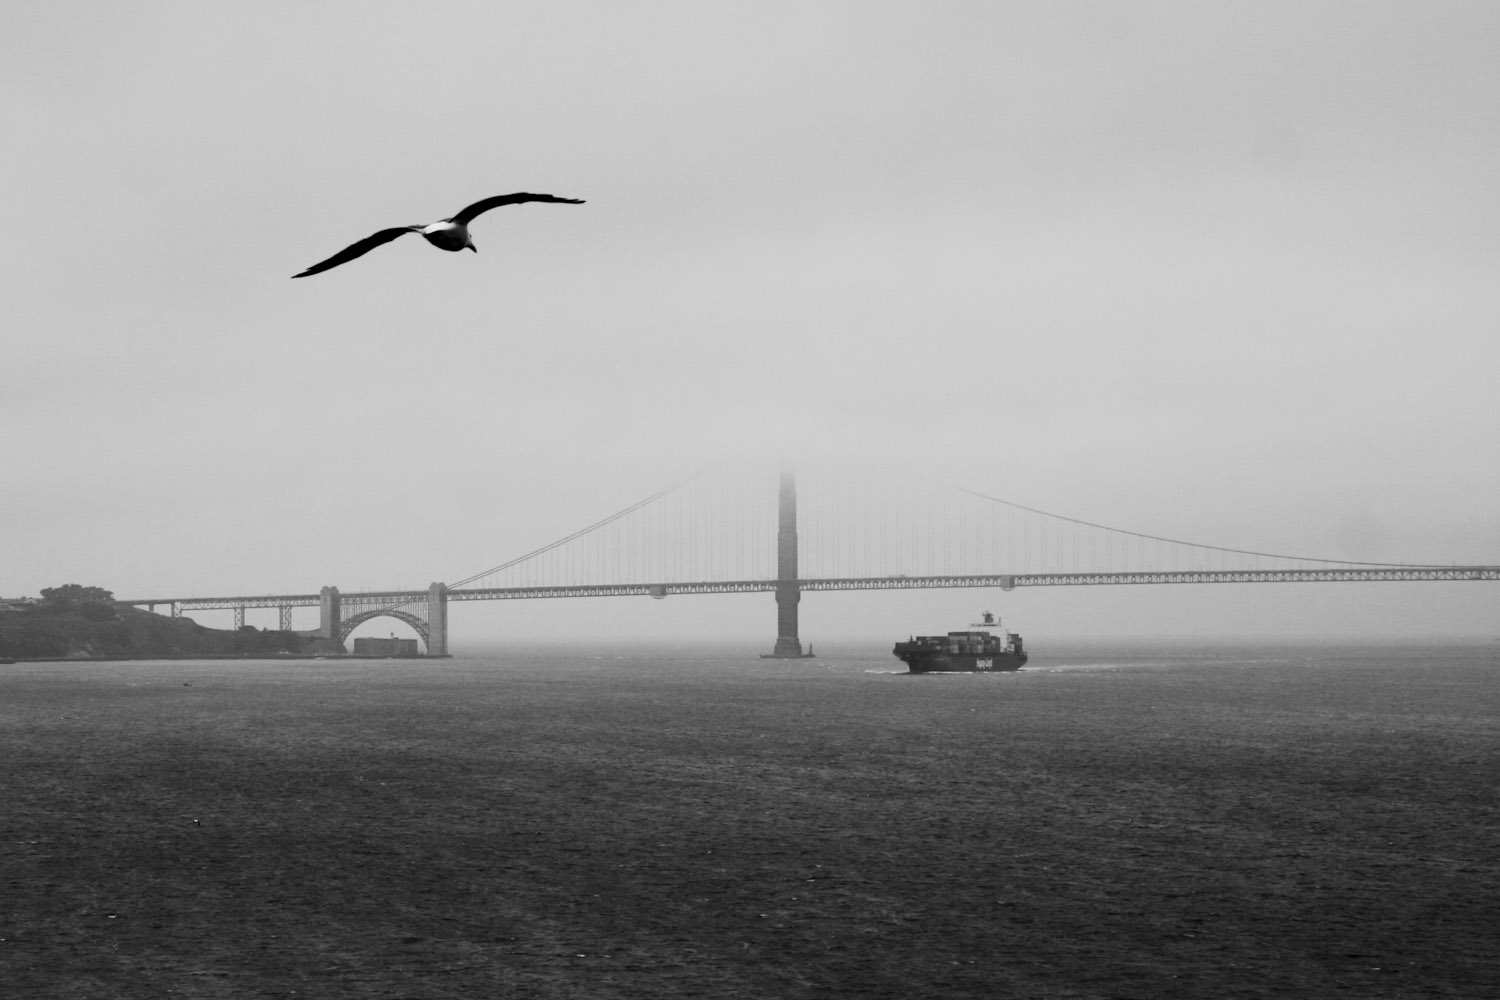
(1002, 581)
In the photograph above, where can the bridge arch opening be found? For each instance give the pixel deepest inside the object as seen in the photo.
(419, 625)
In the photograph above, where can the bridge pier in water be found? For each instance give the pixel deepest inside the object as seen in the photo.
(788, 591)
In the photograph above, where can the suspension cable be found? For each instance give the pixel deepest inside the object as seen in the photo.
(1178, 541)
(582, 531)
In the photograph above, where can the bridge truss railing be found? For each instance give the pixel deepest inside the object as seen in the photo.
(1001, 581)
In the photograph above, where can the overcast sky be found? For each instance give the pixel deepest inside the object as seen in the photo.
(1216, 271)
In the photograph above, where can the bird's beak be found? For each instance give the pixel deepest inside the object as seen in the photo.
(473, 247)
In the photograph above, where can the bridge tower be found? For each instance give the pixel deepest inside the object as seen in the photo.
(437, 620)
(788, 592)
(330, 614)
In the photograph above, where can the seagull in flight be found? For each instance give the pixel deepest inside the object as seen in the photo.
(445, 234)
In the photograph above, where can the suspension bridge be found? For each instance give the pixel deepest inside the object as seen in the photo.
(722, 534)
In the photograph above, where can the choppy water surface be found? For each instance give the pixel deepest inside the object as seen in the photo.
(1056, 656)
(1168, 819)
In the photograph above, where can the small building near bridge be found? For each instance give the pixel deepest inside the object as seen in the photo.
(385, 647)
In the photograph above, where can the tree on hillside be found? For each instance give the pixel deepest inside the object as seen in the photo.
(72, 593)
(92, 602)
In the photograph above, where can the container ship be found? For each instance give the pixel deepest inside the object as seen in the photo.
(986, 648)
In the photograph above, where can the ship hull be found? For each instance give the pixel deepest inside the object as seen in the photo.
(924, 662)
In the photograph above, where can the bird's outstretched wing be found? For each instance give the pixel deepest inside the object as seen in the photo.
(359, 249)
(467, 215)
